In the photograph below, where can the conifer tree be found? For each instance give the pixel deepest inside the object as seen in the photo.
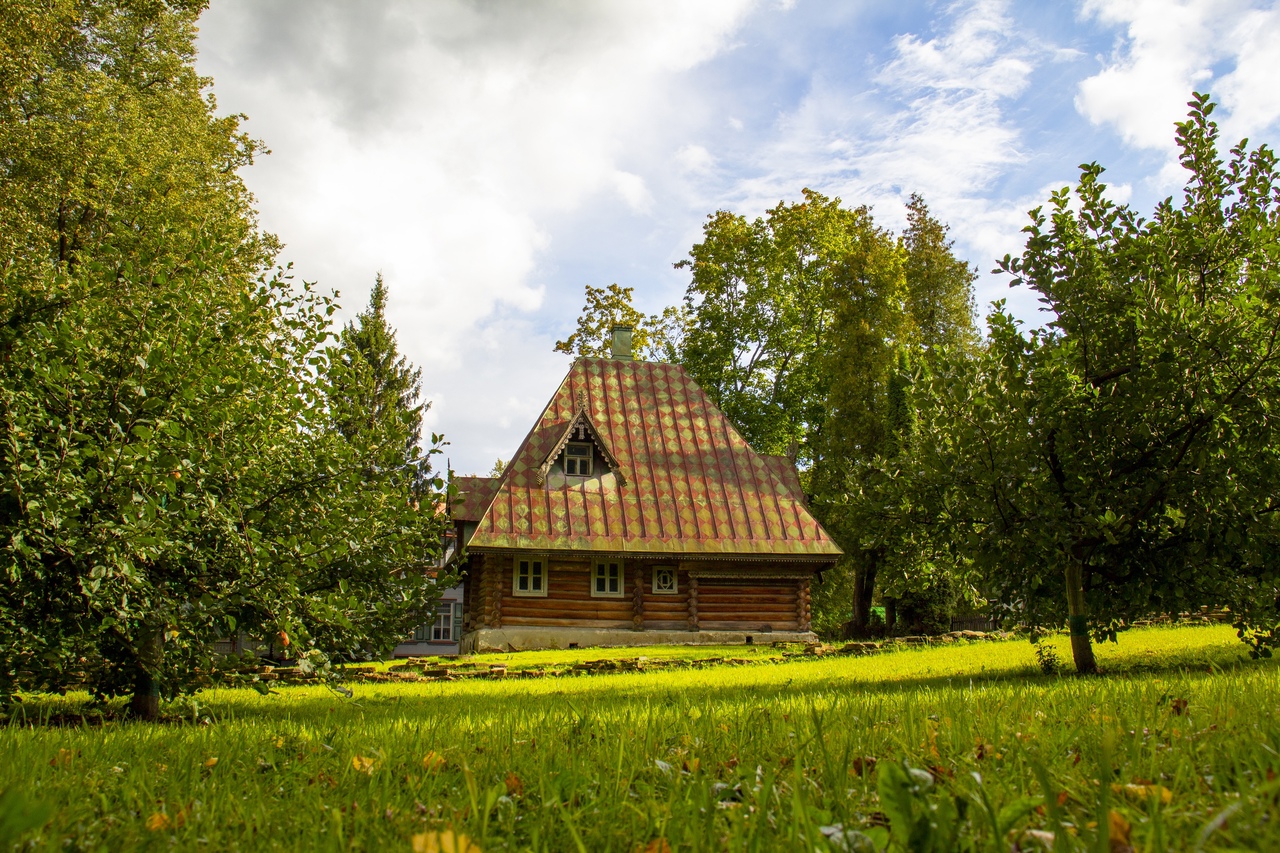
(376, 389)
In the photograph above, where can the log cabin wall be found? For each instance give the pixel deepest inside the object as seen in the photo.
(702, 602)
(743, 604)
(664, 611)
(470, 592)
(568, 602)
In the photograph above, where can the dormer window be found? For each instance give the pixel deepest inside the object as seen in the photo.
(574, 456)
(577, 459)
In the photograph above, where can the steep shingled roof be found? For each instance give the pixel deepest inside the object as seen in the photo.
(474, 494)
(692, 484)
(785, 470)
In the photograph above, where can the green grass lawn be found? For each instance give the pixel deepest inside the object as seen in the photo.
(1177, 746)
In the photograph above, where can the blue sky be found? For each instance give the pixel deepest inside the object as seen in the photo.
(492, 158)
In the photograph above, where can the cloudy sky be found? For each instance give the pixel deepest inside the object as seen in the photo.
(492, 158)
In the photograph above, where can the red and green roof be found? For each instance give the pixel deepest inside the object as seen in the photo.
(683, 480)
(472, 497)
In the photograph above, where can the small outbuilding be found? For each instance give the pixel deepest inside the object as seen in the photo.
(635, 513)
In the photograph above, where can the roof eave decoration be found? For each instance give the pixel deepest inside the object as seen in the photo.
(581, 418)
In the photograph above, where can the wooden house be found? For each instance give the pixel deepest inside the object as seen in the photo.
(635, 513)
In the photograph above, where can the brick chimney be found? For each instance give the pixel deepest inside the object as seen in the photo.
(622, 343)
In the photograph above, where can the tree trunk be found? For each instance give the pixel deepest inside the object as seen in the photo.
(145, 704)
(1078, 619)
(864, 587)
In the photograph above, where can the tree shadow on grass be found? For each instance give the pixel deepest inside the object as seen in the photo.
(680, 685)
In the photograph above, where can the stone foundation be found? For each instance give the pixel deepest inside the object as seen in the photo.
(528, 638)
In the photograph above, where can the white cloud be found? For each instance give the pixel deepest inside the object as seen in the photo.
(434, 142)
(934, 123)
(1170, 48)
(695, 158)
(1252, 90)
(631, 187)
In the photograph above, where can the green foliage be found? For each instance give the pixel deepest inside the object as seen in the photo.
(790, 756)
(927, 608)
(760, 308)
(653, 338)
(1047, 659)
(374, 389)
(170, 471)
(918, 822)
(808, 326)
(1125, 454)
(905, 305)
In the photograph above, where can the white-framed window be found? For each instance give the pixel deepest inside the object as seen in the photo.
(529, 576)
(577, 459)
(444, 628)
(664, 580)
(606, 580)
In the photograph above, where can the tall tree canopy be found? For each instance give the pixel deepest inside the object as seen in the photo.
(170, 468)
(901, 304)
(376, 389)
(653, 337)
(759, 308)
(1122, 459)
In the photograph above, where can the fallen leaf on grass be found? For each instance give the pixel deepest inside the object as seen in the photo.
(443, 842)
(1178, 706)
(1145, 792)
(432, 761)
(211, 761)
(362, 764)
(1120, 830)
(63, 757)
(158, 821)
(657, 845)
(514, 785)
(861, 766)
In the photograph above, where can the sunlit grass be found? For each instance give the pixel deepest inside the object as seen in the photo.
(756, 756)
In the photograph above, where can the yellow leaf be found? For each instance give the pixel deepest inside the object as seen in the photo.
(432, 761)
(362, 764)
(158, 821)
(279, 742)
(1145, 792)
(443, 842)
(1120, 830)
(211, 761)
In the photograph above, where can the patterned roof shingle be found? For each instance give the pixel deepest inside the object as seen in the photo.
(692, 484)
(785, 470)
(474, 494)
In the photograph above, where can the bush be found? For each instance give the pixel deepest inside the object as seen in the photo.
(928, 610)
